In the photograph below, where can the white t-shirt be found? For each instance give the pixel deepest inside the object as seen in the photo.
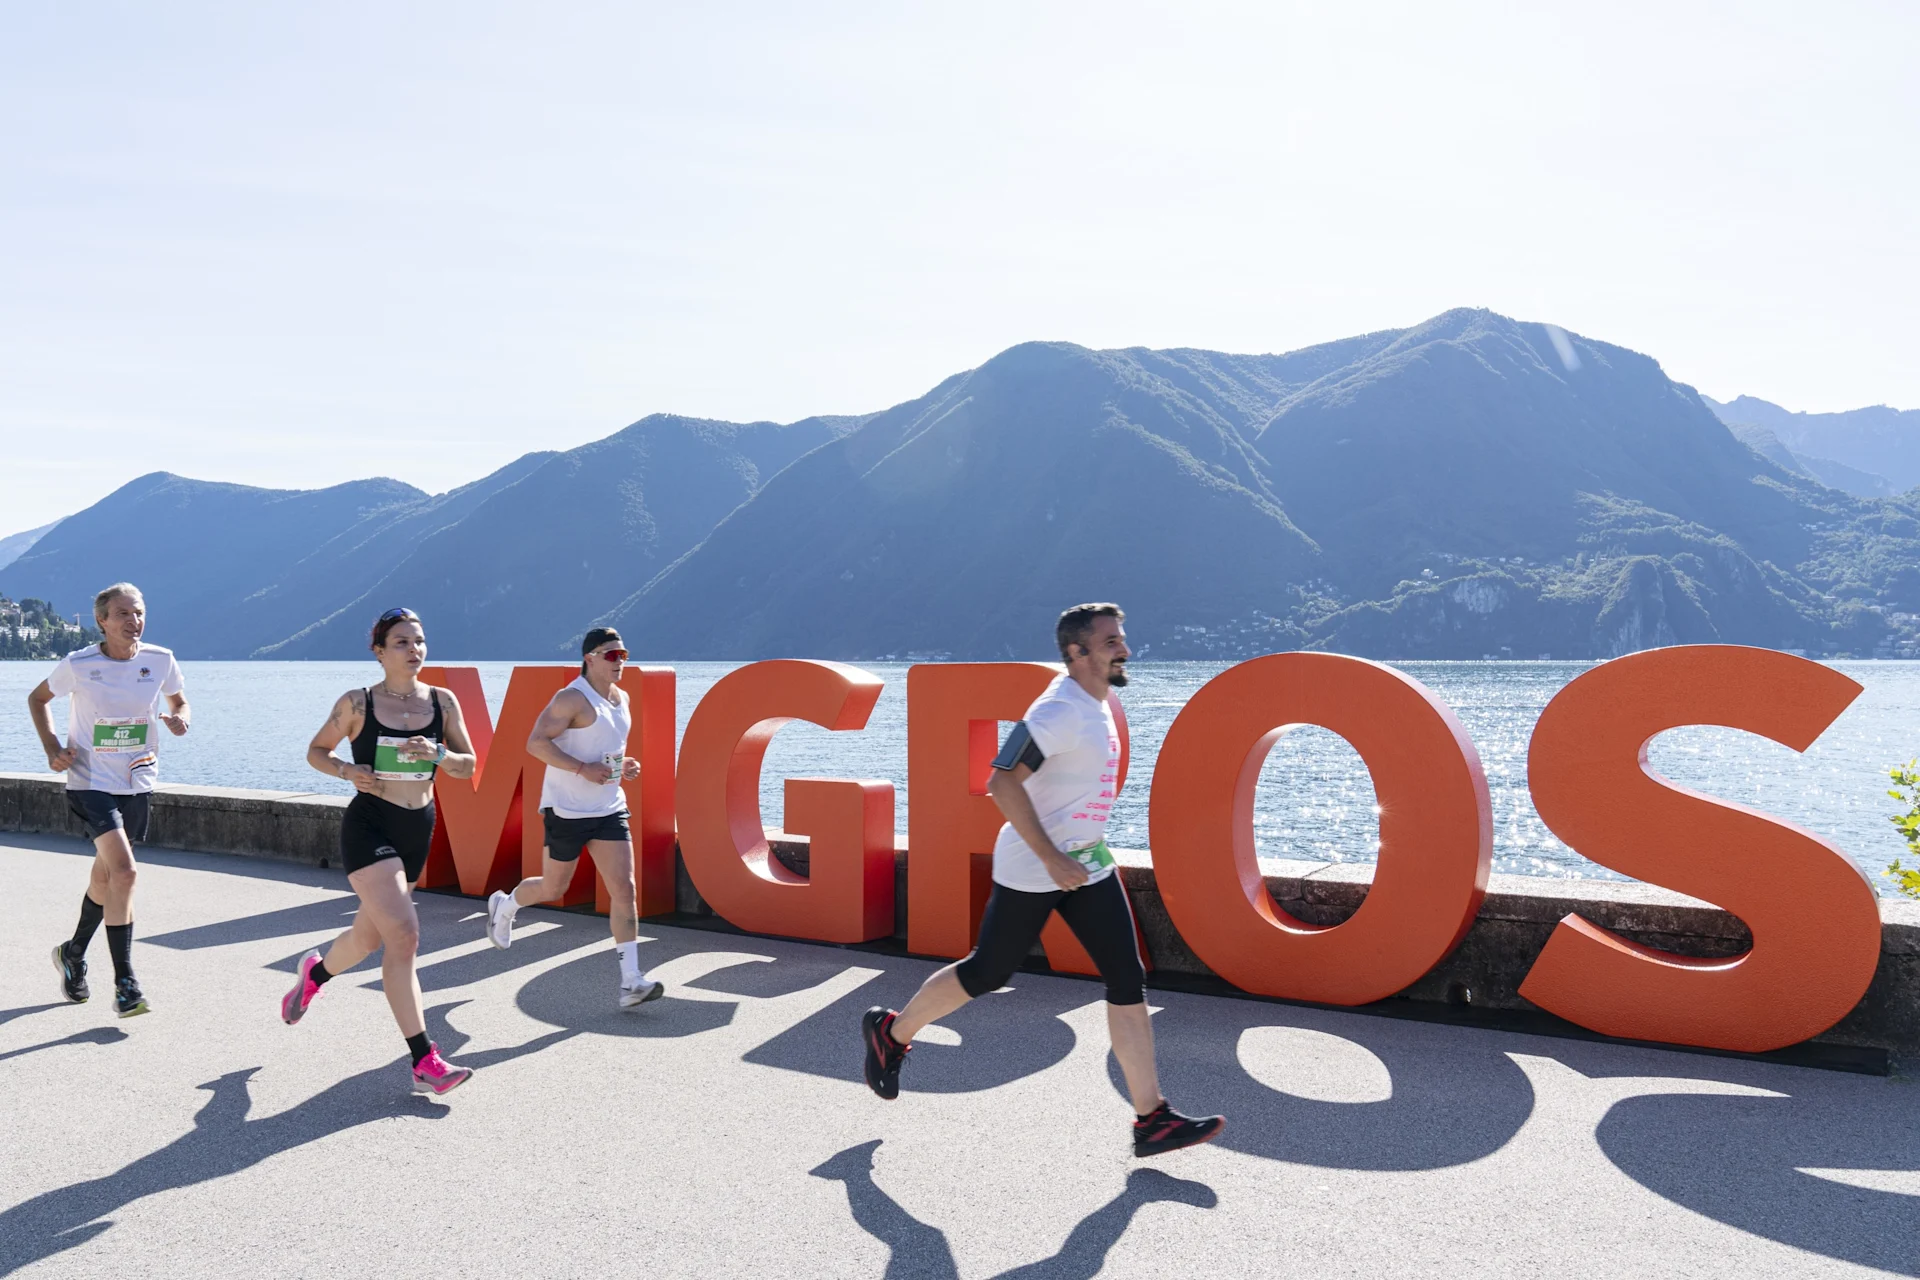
(114, 726)
(1072, 790)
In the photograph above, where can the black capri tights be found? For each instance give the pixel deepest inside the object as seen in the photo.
(1099, 916)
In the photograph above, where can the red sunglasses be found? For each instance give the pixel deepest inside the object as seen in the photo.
(612, 655)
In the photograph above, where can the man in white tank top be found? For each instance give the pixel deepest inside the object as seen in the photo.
(582, 739)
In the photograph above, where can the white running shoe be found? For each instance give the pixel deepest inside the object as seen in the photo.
(499, 923)
(635, 996)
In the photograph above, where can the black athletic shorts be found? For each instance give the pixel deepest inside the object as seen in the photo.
(373, 829)
(1099, 915)
(103, 811)
(567, 836)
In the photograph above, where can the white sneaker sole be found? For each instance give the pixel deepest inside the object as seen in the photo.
(634, 997)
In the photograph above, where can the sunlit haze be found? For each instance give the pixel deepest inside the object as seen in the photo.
(295, 245)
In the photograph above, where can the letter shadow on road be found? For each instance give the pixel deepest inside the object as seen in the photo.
(920, 1251)
(1456, 1096)
(1738, 1159)
(1004, 1036)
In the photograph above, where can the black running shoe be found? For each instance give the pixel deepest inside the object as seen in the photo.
(1167, 1130)
(127, 1000)
(73, 975)
(884, 1053)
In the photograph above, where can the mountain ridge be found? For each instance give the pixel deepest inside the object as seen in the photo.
(1466, 486)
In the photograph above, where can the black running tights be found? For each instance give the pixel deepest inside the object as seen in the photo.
(1099, 916)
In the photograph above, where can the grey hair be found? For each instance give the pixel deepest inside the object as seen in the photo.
(104, 601)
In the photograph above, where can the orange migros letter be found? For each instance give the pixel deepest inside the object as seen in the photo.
(1814, 917)
(848, 894)
(1436, 828)
(488, 831)
(954, 710)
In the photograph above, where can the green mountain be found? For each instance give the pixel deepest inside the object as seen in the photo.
(514, 564)
(525, 568)
(961, 522)
(1470, 486)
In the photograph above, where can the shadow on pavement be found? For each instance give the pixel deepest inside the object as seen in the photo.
(580, 997)
(1004, 1036)
(452, 1042)
(308, 917)
(8, 1015)
(92, 1035)
(222, 1141)
(918, 1250)
(1738, 1160)
(1455, 1097)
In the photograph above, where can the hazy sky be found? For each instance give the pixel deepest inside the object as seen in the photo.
(293, 245)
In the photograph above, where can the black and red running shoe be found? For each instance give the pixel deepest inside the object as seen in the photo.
(884, 1053)
(1166, 1130)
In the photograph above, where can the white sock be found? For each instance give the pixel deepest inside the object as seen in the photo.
(629, 953)
(510, 906)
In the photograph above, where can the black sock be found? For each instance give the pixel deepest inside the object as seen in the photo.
(1143, 1118)
(318, 974)
(420, 1046)
(120, 943)
(91, 914)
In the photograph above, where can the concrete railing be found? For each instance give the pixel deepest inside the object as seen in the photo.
(1483, 973)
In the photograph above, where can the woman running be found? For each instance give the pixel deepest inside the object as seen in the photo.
(401, 731)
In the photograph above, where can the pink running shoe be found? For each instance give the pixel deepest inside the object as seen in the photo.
(294, 1004)
(434, 1074)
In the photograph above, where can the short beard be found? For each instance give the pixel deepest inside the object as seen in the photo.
(1117, 675)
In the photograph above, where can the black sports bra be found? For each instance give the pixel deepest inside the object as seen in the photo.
(366, 743)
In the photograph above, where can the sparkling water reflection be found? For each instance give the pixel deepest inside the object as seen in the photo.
(253, 719)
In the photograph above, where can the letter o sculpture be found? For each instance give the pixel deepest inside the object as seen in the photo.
(1436, 828)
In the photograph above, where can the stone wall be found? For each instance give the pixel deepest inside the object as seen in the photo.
(1483, 972)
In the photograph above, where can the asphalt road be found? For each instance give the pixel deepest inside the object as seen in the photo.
(724, 1130)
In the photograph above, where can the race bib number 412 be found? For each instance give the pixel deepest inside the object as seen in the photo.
(126, 734)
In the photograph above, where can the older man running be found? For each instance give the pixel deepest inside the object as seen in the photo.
(111, 760)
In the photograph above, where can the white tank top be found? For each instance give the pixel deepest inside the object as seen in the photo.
(568, 794)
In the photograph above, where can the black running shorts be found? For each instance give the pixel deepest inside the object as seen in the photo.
(567, 836)
(103, 811)
(373, 829)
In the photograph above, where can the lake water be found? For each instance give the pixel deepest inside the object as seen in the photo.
(252, 721)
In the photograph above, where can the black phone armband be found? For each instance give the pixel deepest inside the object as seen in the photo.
(1019, 749)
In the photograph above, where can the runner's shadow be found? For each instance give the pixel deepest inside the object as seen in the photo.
(1455, 1096)
(8, 1015)
(222, 1141)
(1740, 1159)
(916, 1249)
(92, 1035)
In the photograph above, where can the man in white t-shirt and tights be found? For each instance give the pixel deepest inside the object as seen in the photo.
(110, 758)
(582, 739)
(1055, 780)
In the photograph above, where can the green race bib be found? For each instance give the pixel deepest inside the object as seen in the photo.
(1094, 856)
(388, 765)
(126, 734)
